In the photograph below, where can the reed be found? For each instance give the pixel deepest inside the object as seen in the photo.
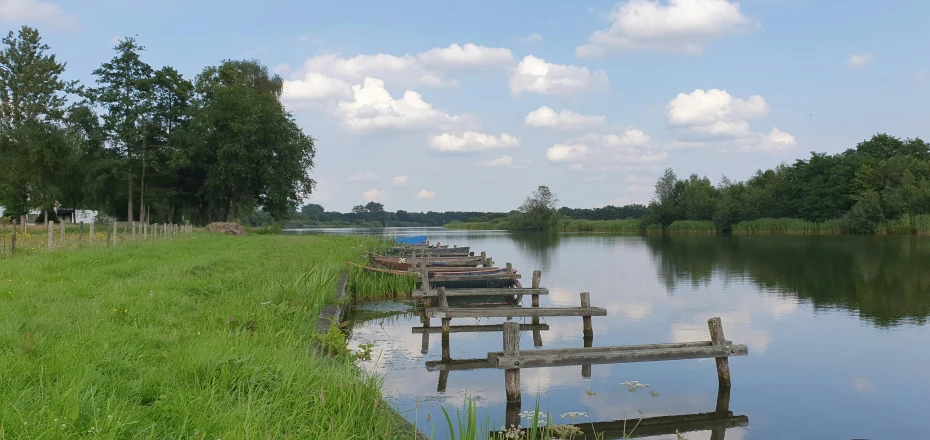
(654, 228)
(366, 285)
(917, 224)
(692, 227)
(625, 225)
(484, 226)
(775, 226)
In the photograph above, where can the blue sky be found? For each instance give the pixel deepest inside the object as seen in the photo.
(469, 106)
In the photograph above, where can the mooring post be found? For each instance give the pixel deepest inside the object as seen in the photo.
(717, 338)
(91, 233)
(509, 269)
(512, 348)
(443, 303)
(537, 277)
(512, 415)
(51, 237)
(424, 278)
(586, 303)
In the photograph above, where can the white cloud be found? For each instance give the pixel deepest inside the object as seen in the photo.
(372, 107)
(682, 26)
(363, 177)
(564, 119)
(35, 10)
(629, 138)
(858, 60)
(640, 188)
(282, 69)
(503, 161)
(468, 56)
(373, 195)
(532, 38)
(567, 153)
(402, 70)
(716, 115)
(314, 87)
(632, 178)
(640, 157)
(621, 201)
(535, 75)
(399, 180)
(424, 194)
(472, 141)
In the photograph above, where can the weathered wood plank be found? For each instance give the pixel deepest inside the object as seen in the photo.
(494, 277)
(598, 355)
(433, 293)
(457, 365)
(505, 312)
(480, 328)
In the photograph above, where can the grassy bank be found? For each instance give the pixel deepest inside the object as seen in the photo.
(206, 336)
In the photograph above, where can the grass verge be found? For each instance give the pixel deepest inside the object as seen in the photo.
(202, 337)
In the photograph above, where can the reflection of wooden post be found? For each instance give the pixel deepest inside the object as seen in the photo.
(722, 410)
(424, 346)
(586, 369)
(512, 348)
(586, 302)
(512, 415)
(717, 338)
(443, 380)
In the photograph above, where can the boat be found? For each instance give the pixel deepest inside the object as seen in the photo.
(498, 277)
(412, 240)
(405, 263)
(439, 252)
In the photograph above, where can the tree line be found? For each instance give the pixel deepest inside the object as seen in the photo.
(882, 179)
(146, 143)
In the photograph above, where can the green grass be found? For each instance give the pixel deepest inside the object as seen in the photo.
(626, 225)
(367, 285)
(206, 336)
(692, 227)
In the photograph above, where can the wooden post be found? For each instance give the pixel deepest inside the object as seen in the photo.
(722, 410)
(145, 231)
(114, 233)
(61, 233)
(446, 353)
(51, 233)
(133, 231)
(586, 302)
(443, 301)
(537, 335)
(24, 222)
(81, 234)
(512, 348)
(512, 415)
(443, 380)
(509, 268)
(13, 239)
(537, 277)
(424, 343)
(586, 368)
(424, 278)
(717, 338)
(91, 233)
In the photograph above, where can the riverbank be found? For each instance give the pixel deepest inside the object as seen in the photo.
(202, 337)
(907, 225)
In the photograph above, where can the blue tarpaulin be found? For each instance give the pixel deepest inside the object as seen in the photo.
(416, 239)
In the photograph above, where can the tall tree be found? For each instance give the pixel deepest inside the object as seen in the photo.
(33, 142)
(539, 211)
(125, 91)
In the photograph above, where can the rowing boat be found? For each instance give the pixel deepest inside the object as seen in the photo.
(405, 263)
(442, 252)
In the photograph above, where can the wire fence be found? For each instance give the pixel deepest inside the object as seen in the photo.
(18, 238)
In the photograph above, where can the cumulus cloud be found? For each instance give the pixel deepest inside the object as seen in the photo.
(682, 26)
(19, 11)
(629, 138)
(561, 153)
(367, 176)
(313, 87)
(424, 194)
(535, 75)
(723, 121)
(472, 141)
(564, 119)
(374, 195)
(465, 57)
(372, 107)
(399, 180)
(858, 60)
(503, 161)
(532, 38)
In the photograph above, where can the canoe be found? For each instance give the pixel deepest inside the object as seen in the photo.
(441, 252)
(412, 240)
(405, 263)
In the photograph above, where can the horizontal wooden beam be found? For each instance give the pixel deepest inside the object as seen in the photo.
(613, 355)
(432, 293)
(507, 312)
(479, 328)
(458, 365)
(494, 277)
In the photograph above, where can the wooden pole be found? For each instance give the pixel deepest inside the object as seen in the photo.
(13, 239)
(24, 222)
(114, 233)
(586, 302)
(61, 233)
(133, 231)
(512, 348)
(443, 301)
(509, 268)
(443, 380)
(91, 233)
(717, 338)
(537, 277)
(51, 234)
(722, 410)
(537, 335)
(81, 234)
(586, 368)
(512, 415)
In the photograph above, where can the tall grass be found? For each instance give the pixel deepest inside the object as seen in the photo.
(625, 225)
(206, 337)
(366, 285)
(653, 229)
(775, 226)
(907, 224)
(494, 225)
(692, 227)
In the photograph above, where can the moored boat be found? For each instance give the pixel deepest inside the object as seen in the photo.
(442, 252)
(406, 263)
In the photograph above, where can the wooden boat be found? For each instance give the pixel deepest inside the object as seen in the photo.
(405, 263)
(498, 277)
(440, 252)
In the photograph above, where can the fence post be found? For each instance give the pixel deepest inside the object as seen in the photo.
(61, 233)
(81, 234)
(91, 233)
(13, 239)
(24, 220)
(115, 232)
(133, 231)
(723, 363)
(51, 234)
(585, 303)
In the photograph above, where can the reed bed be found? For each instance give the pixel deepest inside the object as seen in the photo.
(484, 226)
(205, 337)
(692, 227)
(625, 225)
(776, 226)
(918, 224)
(653, 229)
(366, 285)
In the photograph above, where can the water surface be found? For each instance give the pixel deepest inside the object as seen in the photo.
(836, 328)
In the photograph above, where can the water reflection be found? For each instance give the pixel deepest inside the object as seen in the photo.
(884, 279)
(538, 245)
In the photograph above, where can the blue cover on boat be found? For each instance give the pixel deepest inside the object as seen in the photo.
(416, 239)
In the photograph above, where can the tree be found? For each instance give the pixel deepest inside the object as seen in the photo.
(538, 211)
(125, 93)
(33, 141)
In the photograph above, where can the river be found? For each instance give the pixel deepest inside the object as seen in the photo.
(839, 346)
